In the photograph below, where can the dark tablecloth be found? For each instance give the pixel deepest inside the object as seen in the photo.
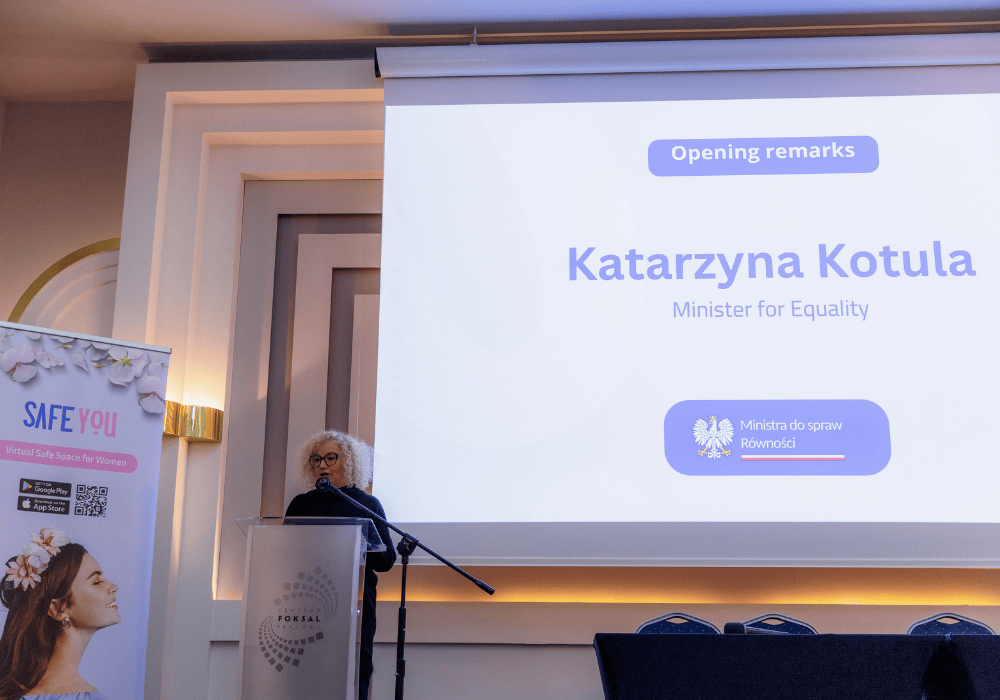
(798, 667)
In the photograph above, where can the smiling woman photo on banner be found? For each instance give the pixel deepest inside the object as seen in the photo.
(56, 597)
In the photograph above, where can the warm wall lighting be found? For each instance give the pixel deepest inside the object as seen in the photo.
(192, 423)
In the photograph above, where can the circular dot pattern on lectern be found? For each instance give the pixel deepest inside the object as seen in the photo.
(303, 609)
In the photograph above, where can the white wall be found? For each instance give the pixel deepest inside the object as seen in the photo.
(62, 184)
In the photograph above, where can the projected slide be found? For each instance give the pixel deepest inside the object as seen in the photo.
(729, 310)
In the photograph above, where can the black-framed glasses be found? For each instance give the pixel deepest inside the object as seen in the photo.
(330, 458)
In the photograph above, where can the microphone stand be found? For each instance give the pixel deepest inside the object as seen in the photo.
(407, 545)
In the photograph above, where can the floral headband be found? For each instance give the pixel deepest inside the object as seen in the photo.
(26, 569)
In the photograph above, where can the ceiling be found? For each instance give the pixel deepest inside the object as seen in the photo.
(88, 49)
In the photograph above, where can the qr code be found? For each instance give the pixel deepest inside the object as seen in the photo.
(91, 500)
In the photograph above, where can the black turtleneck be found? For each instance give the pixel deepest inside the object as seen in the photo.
(320, 503)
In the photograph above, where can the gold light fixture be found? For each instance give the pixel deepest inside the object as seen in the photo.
(201, 424)
(192, 423)
(172, 419)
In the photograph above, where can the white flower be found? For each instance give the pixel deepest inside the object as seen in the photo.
(152, 388)
(36, 347)
(18, 363)
(127, 365)
(95, 353)
(32, 336)
(151, 403)
(119, 353)
(48, 539)
(47, 359)
(158, 357)
(78, 359)
(64, 342)
(38, 556)
(6, 343)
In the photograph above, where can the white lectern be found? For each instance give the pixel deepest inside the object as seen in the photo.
(302, 607)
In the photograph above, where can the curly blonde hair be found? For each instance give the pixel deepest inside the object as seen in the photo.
(356, 456)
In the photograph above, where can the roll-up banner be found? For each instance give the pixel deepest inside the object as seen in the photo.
(81, 425)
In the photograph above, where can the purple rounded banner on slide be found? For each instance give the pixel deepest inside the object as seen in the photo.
(843, 437)
(798, 155)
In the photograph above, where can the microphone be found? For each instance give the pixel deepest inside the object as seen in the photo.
(323, 484)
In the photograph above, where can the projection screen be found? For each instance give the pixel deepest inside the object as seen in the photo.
(698, 303)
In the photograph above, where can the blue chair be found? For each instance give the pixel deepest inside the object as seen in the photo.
(677, 623)
(776, 622)
(938, 624)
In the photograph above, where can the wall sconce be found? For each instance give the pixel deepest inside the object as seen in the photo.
(192, 423)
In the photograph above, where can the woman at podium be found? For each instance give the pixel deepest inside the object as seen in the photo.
(347, 463)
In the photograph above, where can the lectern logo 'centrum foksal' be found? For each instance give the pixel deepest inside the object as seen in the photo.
(301, 613)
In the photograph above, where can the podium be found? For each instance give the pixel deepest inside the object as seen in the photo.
(302, 592)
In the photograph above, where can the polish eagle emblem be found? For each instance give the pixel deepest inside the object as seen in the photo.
(713, 436)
